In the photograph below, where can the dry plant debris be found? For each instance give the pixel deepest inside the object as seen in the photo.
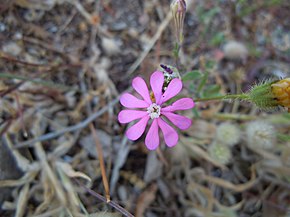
(63, 67)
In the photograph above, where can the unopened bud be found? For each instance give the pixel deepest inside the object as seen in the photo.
(178, 9)
(271, 94)
(261, 95)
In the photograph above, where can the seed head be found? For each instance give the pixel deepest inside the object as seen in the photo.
(235, 50)
(220, 153)
(228, 134)
(260, 134)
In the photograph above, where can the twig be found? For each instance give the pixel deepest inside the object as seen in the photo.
(11, 89)
(102, 198)
(41, 67)
(14, 60)
(41, 82)
(92, 19)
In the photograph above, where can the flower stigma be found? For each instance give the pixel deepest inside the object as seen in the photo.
(154, 111)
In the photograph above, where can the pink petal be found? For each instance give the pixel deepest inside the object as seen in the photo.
(169, 134)
(134, 132)
(127, 116)
(140, 86)
(152, 137)
(172, 90)
(181, 122)
(181, 104)
(156, 82)
(130, 101)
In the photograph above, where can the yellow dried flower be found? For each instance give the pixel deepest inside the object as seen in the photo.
(281, 91)
(271, 94)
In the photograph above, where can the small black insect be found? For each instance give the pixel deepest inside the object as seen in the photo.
(167, 69)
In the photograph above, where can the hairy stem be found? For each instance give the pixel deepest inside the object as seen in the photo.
(231, 96)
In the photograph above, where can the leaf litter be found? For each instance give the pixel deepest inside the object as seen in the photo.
(65, 63)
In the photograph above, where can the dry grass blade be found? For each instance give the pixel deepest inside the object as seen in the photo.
(70, 172)
(22, 201)
(50, 213)
(196, 150)
(50, 174)
(207, 193)
(74, 201)
(27, 178)
(102, 163)
(231, 186)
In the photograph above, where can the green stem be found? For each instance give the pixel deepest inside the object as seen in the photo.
(231, 96)
(176, 54)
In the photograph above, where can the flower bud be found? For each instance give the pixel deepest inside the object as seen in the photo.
(261, 95)
(281, 91)
(178, 10)
(271, 94)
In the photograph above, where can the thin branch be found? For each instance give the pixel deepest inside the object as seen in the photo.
(11, 89)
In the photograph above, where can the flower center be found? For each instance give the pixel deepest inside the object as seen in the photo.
(154, 111)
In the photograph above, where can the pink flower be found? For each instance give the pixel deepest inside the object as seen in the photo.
(155, 111)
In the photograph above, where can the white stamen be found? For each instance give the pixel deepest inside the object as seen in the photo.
(154, 111)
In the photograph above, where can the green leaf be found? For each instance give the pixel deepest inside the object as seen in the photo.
(283, 137)
(195, 112)
(193, 75)
(212, 90)
(191, 87)
(217, 39)
(210, 64)
(203, 81)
